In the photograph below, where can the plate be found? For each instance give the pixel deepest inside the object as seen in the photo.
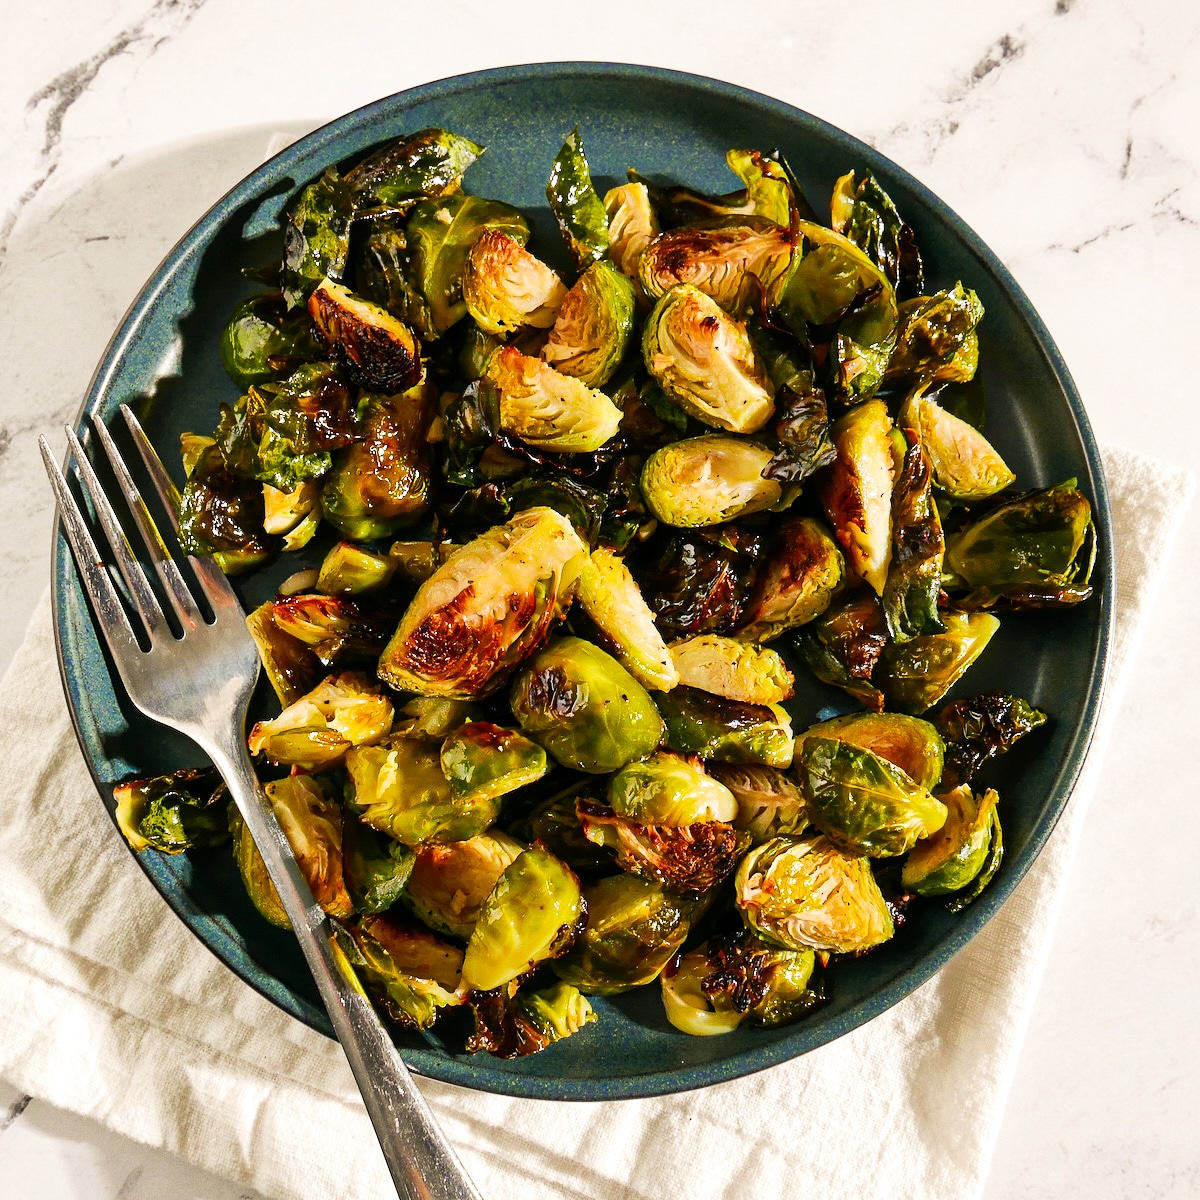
(163, 361)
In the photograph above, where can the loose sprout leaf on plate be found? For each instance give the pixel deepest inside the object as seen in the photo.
(572, 540)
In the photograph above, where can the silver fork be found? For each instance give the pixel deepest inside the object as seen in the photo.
(200, 684)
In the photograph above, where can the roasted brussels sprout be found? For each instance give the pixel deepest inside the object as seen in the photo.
(577, 208)
(428, 163)
(337, 629)
(708, 480)
(916, 675)
(633, 928)
(264, 341)
(965, 466)
(221, 516)
(953, 857)
(866, 215)
(434, 718)
(527, 1022)
(316, 239)
(506, 288)
(863, 803)
(312, 823)
(183, 810)
(534, 913)
(802, 571)
(290, 666)
(686, 858)
(481, 613)
(738, 977)
(734, 264)
(768, 184)
(936, 339)
(914, 574)
(376, 867)
(733, 669)
(585, 708)
(412, 1000)
(667, 789)
(594, 326)
(700, 723)
(979, 728)
(805, 894)
(843, 647)
(398, 787)
(550, 410)
(483, 761)
(379, 351)
(632, 225)
(416, 561)
(913, 745)
(705, 362)
(1035, 551)
(382, 482)
(314, 732)
(449, 883)
(769, 803)
(858, 491)
(293, 515)
(351, 570)
(611, 598)
(555, 824)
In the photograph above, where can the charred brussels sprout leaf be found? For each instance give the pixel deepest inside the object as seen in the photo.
(316, 243)
(806, 894)
(594, 326)
(1035, 551)
(376, 867)
(801, 427)
(913, 745)
(585, 708)
(633, 928)
(955, 856)
(527, 1022)
(382, 481)
(426, 164)
(315, 732)
(221, 516)
(173, 813)
(733, 669)
(863, 803)
(704, 361)
(914, 575)
(470, 423)
(768, 186)
(577, 208)
(632, 225)
(449, 883)
(667, 789)
(981, 727)
(916, 675)
(483, 761)
(506, 288)
(550, 410)
(873, 224)
(379, 351)
(398, 788)
(686, 858)
(796, 583)
(486, 609)
(534, 913)
(700, 723)
(291, 666)
(610, 596)
(964, 464)
(936, 339)
(264, 341)
(769, 802)
(708, 480)
(857, 493)
(336, 629)
(843, 647)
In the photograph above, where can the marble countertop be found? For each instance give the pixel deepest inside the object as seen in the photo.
(1062, 131)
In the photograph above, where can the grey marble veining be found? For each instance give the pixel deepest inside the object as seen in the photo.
(1063, 131)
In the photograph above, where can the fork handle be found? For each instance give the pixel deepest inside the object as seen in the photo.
(422, 1162)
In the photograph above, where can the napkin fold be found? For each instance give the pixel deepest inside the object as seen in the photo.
(110, 1008)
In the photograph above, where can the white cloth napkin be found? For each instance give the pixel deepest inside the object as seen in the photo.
(110, 1008)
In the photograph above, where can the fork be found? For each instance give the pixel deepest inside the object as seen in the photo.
(200, 683)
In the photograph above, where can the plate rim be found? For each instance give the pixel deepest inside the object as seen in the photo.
(475, 1073)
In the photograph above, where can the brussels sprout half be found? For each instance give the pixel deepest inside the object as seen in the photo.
(844, 646)
(806, 894)
(708, 480)
(913, 745)
(632, 225)
(593, 326)
(428, 163)
(668, 789)
(585, 708)
(449, 883)
(506, 288)
(483, 761)
(965, 466)
(173, 813)
(380, 351)
(221, 516)
(527, 1022)
(264, 341)
(704, 360)
(481, 613)
(350, 570)
(936, 338)
(700, 723)
(733, 669)
(952, 858)
(769, 802)
(916, 675)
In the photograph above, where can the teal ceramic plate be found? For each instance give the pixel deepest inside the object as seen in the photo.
(163, 361)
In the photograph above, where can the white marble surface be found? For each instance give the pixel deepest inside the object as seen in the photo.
(1063, 131)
